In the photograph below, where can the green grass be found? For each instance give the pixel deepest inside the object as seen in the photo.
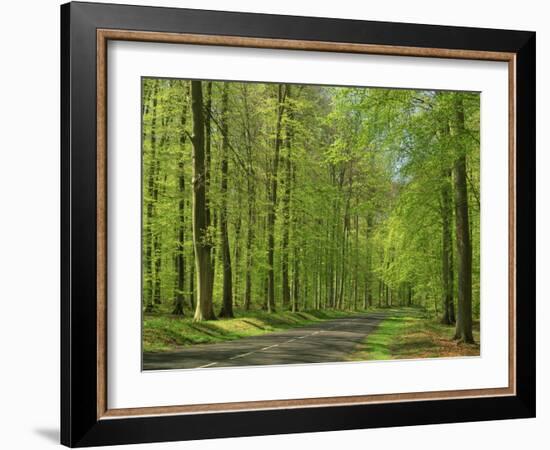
(164, 332)
(410, 333)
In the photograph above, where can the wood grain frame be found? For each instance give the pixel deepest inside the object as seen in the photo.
(105, 35)
(86, 418)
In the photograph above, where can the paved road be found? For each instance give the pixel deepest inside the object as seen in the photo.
(328, 341)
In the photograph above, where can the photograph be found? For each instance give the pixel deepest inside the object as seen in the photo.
(291, 223)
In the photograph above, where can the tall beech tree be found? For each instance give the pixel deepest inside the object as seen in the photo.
(464, 247)
(227, 296)
(210, 218)
(201, 240)
(272, 193)
(248, 138)
(147, 237)
(447, 275)
(286, 205)
(180, 247)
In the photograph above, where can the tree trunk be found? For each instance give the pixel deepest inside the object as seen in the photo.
(286, 209)
(148, 228)
(158, 262)
(340, 300)
(451, 305)
(204, 309)
(271, 217)
(251, 198)
(446, 251)
(463, 244)
(157, 252)
(158, 190)
(296, 280)
(237, 290)
(356, 266)
(210, 221)
(249, 241)
(192, 293)
(180, 257)
(368, 274)
(227, 296)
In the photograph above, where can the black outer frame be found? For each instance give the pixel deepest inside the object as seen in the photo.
(79, 423)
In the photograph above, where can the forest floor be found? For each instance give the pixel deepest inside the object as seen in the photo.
(410, 333)
(164, 332)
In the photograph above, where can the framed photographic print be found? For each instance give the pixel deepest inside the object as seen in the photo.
(277, 224)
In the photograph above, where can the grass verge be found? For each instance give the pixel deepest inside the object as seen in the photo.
(409, 333)
(166, 332)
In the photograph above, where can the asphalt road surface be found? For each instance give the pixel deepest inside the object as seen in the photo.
(329, 341)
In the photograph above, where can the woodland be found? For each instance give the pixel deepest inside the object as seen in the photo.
(283, 197)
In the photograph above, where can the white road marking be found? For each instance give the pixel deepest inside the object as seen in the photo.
(207, 365)
(271, 346)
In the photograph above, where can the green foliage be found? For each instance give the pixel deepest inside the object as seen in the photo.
(360, 197)
(410, 333)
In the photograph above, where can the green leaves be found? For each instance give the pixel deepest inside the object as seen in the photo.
(363, 210)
